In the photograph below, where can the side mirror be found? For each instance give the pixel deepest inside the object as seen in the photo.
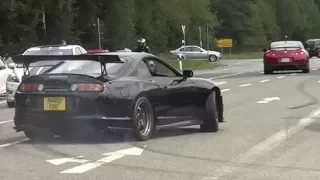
(11, 65)
(187, 73)
(265, 50)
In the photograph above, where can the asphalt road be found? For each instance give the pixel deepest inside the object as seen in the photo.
(272, 132)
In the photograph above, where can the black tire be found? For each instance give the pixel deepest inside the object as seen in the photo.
(143, 117)
(210, 115)
(37, 135)
(10, 104)
(307, 69)
(268, 70)
(213, 58)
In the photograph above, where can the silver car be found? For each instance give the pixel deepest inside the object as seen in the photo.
(15, 77)
(195, 52)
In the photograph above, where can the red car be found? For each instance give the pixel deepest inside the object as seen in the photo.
(94, 51)
(286, 55)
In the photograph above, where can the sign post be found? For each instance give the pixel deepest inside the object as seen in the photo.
(225, 43)
(183, 27)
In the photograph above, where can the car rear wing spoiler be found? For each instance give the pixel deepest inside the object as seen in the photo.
(103, 59)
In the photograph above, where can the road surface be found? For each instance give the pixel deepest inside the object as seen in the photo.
(272, 132)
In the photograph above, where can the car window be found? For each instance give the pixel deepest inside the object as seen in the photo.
(1, 62)
(317, 43)
(195, 49)
(188, 49)
(309, 44)
(77, 51)
(143, 70)
(156, 68)
(8, 60)
(49, 51)
(182, 49)
(87, 67)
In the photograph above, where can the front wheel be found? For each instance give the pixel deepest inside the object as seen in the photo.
(143, 119)
(213, 58)
(10, 104)
(210, 115)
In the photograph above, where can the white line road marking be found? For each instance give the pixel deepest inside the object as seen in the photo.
(245, 85)
(111, 157)
(225, 90)
(267, 100)
(5, 122)
(65, 160)
(266, 80)
(2, 102)
(280, 77)
(220, 83)
(261, 72)
(228, 75)
(264, 147)
(12, 143)
(314, 69)
(293, 74)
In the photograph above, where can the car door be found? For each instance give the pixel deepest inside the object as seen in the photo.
(180, 92)
(198, 53)
(188, 53)
(4, 73)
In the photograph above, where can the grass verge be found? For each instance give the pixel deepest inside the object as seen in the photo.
(249, 55)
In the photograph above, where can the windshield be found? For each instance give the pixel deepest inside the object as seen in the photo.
(86, 68)
(289, 45)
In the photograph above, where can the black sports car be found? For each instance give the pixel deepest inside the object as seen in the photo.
(129, 90)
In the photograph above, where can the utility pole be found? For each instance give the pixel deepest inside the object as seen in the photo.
(44, 20)
(207, 36)
(99, 33)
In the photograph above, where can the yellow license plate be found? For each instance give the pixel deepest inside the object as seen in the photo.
(54, 104)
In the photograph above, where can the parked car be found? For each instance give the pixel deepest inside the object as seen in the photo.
(15, 77)
(4, 73)
(127, 90)
(286, 55)
(313, 47)
(195, 52)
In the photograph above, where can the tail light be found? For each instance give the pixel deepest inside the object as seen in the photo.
(170, 53)
(84, 87)
(299, 53)
(30, 87)
(269, 54)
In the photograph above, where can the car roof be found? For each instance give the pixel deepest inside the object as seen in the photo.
(66, 46)
(313, 40)
(286, 42)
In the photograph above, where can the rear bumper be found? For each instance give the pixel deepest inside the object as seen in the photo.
(60, 123)
(287, 66)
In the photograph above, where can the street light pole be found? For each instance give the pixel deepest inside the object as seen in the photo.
(99, 34)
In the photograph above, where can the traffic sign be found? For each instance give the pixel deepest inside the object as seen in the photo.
(183, 29)
(225, 43)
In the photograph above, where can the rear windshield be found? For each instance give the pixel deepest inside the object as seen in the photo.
(286, 45)
(49, 51)
(87, 68)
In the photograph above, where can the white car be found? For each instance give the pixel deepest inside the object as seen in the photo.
(15, 77)
(4, 73)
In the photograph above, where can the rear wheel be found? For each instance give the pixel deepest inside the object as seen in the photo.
(306, 70)
(268, 70)
(210, 115)
(143, 119)
(10, 104)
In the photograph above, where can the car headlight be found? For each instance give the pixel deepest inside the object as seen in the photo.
(13, 78)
